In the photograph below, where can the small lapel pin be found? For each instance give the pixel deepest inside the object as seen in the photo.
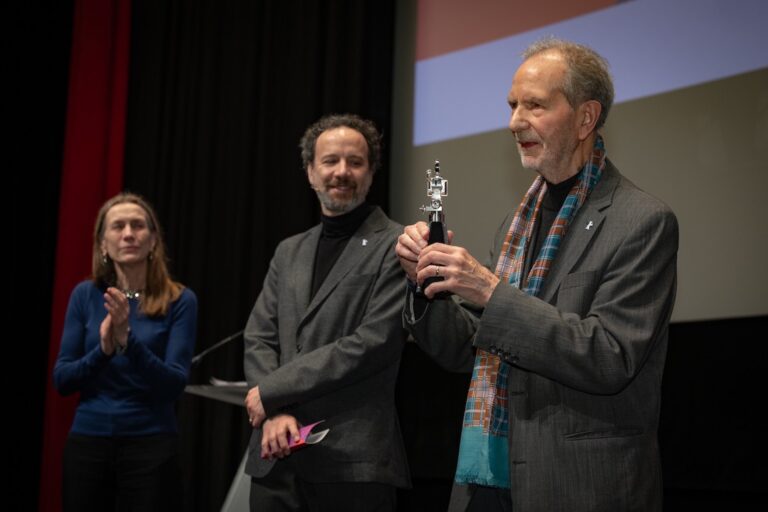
(589, 225)
(365, 242)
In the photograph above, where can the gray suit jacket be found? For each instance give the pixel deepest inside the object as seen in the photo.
(334, 358)
(587, 356)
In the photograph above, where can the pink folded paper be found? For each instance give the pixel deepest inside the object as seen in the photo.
(306, 436)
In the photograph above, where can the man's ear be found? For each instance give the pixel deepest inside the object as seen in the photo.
(589, 113)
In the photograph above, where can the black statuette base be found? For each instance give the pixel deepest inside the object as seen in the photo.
(436, 236)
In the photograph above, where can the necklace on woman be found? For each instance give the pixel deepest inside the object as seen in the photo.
(132, 294)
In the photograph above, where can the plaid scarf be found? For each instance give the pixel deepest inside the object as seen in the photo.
(483, 453)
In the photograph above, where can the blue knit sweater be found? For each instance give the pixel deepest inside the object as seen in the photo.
(132, 394)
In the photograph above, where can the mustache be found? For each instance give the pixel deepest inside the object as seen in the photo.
(341, 182)
(526, 137)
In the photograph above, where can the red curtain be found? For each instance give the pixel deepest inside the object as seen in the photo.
(92, 171)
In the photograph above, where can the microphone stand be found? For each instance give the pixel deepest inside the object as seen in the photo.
(213, 347)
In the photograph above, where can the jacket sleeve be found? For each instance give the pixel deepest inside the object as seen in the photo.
(374, 345)
(445, 329)
(629, 303)
(262, 336)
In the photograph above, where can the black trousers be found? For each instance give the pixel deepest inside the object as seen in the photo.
(121, 473)
(282, 491)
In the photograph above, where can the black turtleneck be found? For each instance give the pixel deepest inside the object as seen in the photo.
(336, 233)
(550, 206)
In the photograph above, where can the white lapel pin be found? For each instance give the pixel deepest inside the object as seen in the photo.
(365, 242)
(589, 225)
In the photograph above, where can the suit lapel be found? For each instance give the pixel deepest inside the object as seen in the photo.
(353, 257)
(584, 227)
(305, 260)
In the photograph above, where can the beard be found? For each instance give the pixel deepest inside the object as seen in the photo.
(554, 155)
(350, 200)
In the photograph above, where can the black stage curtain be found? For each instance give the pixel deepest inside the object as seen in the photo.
(220, 93)
(38, 41)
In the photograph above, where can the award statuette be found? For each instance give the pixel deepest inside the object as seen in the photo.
(437, 188)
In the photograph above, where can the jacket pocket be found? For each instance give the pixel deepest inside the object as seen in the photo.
(577, 292)
(604, 433)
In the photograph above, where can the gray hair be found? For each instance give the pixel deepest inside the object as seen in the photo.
(587, 77)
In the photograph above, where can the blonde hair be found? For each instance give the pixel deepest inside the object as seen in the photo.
(160, 289)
